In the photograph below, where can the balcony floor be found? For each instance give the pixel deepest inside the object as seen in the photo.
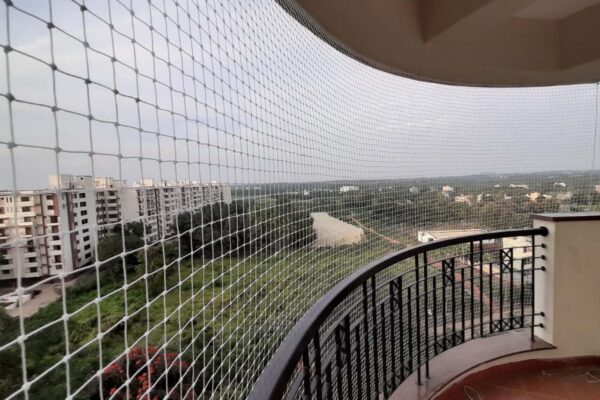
(572, 379)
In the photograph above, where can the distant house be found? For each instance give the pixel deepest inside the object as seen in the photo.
(447, 190)
(430, 236)
(597, 188)
(521, 249)
(512, 185)
(414, 190)
(463, 199)
(564, 196)
(345, 189)
(562, 184)
(533, 196)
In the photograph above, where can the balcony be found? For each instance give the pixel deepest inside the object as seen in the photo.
(430, 321)
(335, 195)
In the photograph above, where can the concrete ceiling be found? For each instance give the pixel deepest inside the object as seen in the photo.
(464, 42)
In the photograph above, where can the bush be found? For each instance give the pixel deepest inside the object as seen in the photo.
(154, 374)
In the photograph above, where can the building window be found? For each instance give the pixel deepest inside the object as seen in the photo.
(4, 261)
(32, 259)
(86, 247)
(86, 238)
(6, 271)
(83, 204)
(53, 220)
(30, 249)
(57, 259)
(26, 209)
(55, 237)
(33, 270)
(25, 198)
(49, 197)
(58, 266)
(86, 230)
(83, 212)
(28, 231)
(84, 221)
(81, 195)
(50, 207)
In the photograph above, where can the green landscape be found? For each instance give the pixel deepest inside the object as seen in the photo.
(210, 302)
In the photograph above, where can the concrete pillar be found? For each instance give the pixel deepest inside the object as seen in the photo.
(568, 292)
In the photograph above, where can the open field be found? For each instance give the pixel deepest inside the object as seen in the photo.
(333, 232)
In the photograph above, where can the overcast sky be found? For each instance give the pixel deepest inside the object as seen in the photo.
(262, 100)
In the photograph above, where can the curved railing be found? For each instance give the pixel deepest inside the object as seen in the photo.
(388, 319)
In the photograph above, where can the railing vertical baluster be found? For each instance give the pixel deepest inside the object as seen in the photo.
(501, 308)
(472, 297)
(512, 290)
(318, 376)
(375, 334)
(425, 277)
(472, 269)
(435, 327)
(401, 317)
(462, 303)
(410, 328)
(418, 318)
(338, 361)
(359, 389)
(532, 288)
(480, 288)
(453, 292)
(307, 375)
(444, 322)
(329, 381)
(384, 352)
(348, 347)
(491, 290)
(393, 332)
(522, 293)
(365, 302)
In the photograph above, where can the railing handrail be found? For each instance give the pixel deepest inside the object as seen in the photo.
(274, 378)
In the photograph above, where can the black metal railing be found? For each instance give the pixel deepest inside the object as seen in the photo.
(390, 318)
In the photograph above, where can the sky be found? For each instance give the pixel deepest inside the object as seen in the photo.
(239, 92)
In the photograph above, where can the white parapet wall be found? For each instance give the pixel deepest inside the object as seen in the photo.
(568, 291)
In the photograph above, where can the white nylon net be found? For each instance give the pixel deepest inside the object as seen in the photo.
(181, 180)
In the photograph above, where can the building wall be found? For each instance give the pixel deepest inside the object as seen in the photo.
(50, 231)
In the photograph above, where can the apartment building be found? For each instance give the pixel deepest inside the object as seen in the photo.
(29, 234)
(45, 232)
(159, 202)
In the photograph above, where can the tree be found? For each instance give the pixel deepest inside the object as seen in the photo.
(245, 228)
(10, 358)
(112, 245)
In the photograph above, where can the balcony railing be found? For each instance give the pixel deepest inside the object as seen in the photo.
(390, 318)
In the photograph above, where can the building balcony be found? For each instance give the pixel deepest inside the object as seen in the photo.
(450, 319)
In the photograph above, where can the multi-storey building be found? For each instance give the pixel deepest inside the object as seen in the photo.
(29, 234)
(45, 232)
(159, 202)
